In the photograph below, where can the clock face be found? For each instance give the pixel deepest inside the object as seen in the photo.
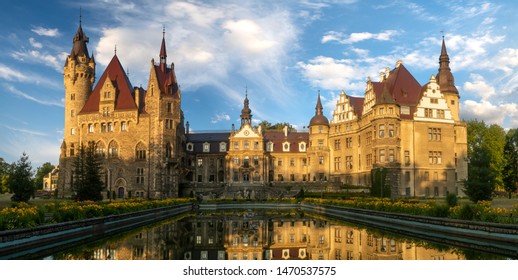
(246, 132)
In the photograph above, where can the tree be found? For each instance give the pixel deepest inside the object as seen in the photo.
(5, 170)
(41, 172)
(20, 180)
(87, 181)
(267, 126)
(486, 160)
(510, 170)
(481, 180)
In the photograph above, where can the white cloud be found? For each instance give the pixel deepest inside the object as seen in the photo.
(220, 117)
(479, 86)
(34, 56)
(490, 113)
(358, 37)
(25, 131)
(49, 32)
(248, 35)
(35, 44)
(13, 90)
(10, 74)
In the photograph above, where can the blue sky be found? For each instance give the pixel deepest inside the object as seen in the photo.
(281, 52)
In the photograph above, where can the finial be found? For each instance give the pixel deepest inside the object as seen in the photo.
(127, 72)
(246, 90)
(442, 32)
(80, 15)
(163, 31)
(115, 50)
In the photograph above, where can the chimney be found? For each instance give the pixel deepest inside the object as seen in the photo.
(187, 127)
(137, 98)
(285, 129)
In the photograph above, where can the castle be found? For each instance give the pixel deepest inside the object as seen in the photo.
(409, 135)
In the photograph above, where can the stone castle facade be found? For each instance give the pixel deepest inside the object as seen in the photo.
(410, 133)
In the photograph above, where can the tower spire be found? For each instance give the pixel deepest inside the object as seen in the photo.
(163, 53)
(80, 40)
(444, 76)
(319, 118)
(246, 113)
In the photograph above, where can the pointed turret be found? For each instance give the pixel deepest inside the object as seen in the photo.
(79, 42)
(444, 76)
(163, 53)
(246, 113)
(319, 118)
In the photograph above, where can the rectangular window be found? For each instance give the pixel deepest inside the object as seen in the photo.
(391, 130)
(440, 114)
(382, 155)
(434, 157)
(246, 144)
(349, 162)
(236, 145)
(337, 163)
(200, 162)
(236, 160)
(391, 155)
(103, 127)
(256, 160)
(256, 145)
(320, 143)
(337, 144)
(292, 162)
(90, 128)
(279, 162)
(381, 130)
(321, 160)
(434, 100)
(434, 134)
(110, 128)
(169, 107)
(123, 126)
(407, 157)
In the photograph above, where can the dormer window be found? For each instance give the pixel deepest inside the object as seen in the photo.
(222, 147)
(302, 147)
(286, 147)
(206, 147)
(190, 147)
(269, 147)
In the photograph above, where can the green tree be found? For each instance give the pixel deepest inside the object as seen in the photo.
(481, 179)
(41, 172)
(510, 170)
(486, 159)
(267, 126)
(87, 181)
(5, 170)
(20, 180)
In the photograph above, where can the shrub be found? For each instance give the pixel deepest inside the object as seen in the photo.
(451, 199)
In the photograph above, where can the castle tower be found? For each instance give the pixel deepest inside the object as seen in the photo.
(318, 151)
(447, 83)
(79, 76)
(246, 113)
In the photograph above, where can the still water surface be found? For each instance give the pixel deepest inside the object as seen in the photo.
(262, 235)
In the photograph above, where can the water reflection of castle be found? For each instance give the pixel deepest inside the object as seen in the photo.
(260, 237)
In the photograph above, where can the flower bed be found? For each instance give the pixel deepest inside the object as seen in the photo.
(24, 215)
(481, 211)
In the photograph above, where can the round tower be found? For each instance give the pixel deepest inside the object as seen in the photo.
(318, 151)
(79, 77)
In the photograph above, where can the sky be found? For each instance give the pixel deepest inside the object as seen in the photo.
(280, 53)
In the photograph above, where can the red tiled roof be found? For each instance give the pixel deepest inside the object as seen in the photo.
(124, 99)
(167, 81)
(357, 104)
(401, 85)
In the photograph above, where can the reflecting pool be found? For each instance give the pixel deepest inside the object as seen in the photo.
(263, 235)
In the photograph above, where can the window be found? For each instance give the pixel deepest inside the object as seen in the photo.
(349, 162)
(337, 163)
(246, 145)
(140, 153)
(256, 145)
(426, 176)
(90, 128)
(100, 150)
(206, 147)
(302, 147)
(304, 161)
(321, 160)
(349, 142)
(434, 100)
(391, 155)
(113, 150)
(103, 127)
(452, 102)
(382, 111)
(72, 113)
(279, 162)
(236, 160)
(190, 147)
(320, 143)
(110, 127)
(286, 147)
(222, 147)
(337, 144)
(72, 131)
(169, 107)
(236, 145)
(434, 134)
(292, 162)
(434, 157)
(382, 155)
(256, 160)
(381, 130)
(124, 126)
(140, 176)
(72, 96)
(428, 113)
(269, 147)
(391, 130)
(168, 150)
(440, 114)
(199, 162)
(407, 157)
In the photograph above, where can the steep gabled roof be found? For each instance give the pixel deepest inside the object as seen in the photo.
(357, 104)
(124, 99)
(401, 85)
(278, 138)
(167, 81)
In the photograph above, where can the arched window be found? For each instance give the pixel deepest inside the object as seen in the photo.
(100, 149)
(113, 150)
(140, 151)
